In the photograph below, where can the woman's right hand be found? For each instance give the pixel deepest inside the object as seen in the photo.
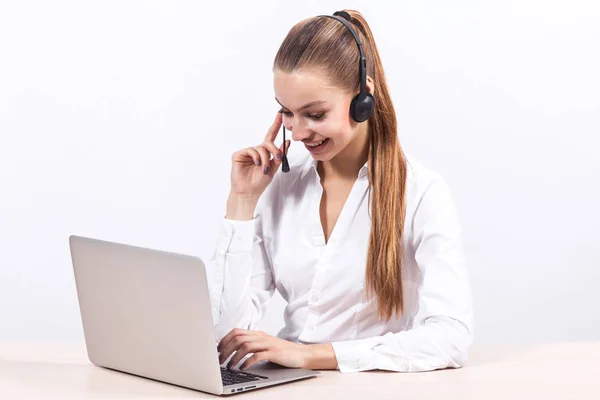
(253, 168)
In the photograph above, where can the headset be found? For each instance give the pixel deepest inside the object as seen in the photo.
(362, 104)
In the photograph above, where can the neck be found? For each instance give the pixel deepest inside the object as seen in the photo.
(349, 161)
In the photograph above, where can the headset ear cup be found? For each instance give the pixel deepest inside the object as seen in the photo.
(362, 107)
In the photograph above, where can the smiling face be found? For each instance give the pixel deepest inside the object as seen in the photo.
(327, 117)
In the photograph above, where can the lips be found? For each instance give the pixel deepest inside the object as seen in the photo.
(314, 143)
(319, 148)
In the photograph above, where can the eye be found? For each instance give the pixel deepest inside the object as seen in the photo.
(316, 117)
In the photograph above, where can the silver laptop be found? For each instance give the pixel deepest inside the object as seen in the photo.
(147, 312)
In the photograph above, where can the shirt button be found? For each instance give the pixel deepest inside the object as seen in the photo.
(310, 327)
(315, 298)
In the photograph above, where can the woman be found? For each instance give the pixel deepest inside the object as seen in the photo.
(362, 241)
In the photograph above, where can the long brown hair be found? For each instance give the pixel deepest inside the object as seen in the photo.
(325, 45)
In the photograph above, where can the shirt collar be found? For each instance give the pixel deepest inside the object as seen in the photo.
(311, 164)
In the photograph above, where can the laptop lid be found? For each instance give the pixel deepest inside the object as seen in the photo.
(146, 312)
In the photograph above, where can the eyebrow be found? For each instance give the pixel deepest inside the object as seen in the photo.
(304, 107)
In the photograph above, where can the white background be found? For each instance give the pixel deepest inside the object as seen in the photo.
(118, 120)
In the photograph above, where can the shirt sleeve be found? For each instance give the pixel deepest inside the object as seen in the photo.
(442, 331)
(239, 277)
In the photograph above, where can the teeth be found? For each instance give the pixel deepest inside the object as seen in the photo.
(316, 144)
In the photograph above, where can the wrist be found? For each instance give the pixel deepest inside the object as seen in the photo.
(240, 207)
(319, 356)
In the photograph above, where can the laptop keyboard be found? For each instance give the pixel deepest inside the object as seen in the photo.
(233, 376)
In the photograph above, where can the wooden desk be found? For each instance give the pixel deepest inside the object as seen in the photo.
(549, 371)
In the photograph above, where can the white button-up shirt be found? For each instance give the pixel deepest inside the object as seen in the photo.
(283, 248)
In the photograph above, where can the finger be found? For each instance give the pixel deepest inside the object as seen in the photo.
(274, 129)
(265, 157)
(248, 155)
(248, 347)
(234, 345)
(257, 357)
(230, 336)
(251, 153)
(231, 347)
(275, 162)
(255, 156)
(277, 153)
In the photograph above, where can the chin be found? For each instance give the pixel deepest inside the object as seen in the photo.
(323, 157)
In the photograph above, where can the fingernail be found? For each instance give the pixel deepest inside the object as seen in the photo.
(279, 156)
(259, 163)
(267, 169)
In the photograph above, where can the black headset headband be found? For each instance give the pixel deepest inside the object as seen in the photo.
(362, 67)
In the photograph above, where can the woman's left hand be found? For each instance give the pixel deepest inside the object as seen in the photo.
(265, 348)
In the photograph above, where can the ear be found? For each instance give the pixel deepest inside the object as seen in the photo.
(370, 85)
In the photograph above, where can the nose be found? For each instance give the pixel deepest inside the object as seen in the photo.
(299, 131)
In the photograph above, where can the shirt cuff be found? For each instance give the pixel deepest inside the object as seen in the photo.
(236, 236)
(355, 355)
